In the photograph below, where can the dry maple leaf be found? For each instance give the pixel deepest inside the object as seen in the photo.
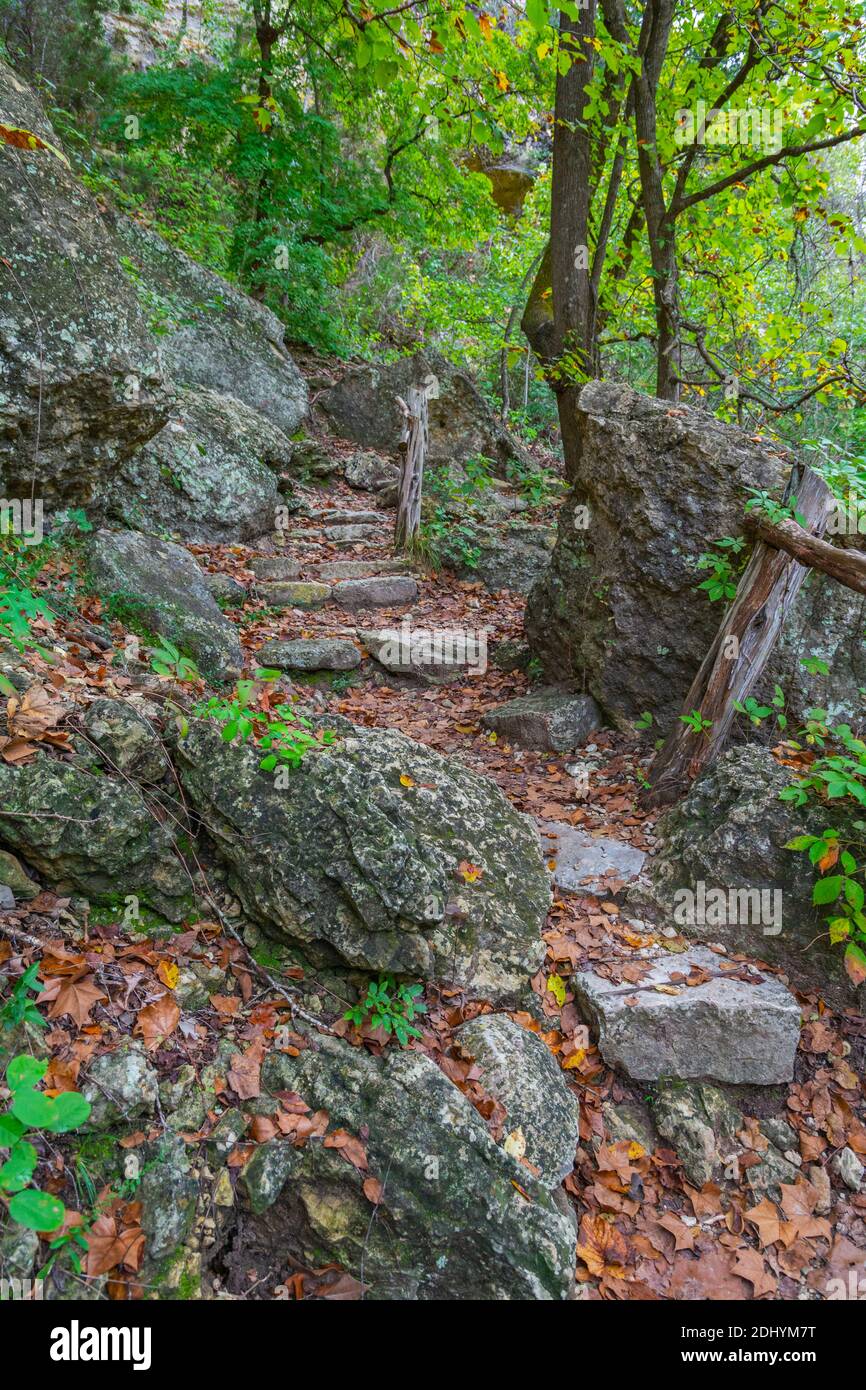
(75, 997)
(373, 1190)
(34, 713)
(749, 1265)
(107, 1247)
(244, 1075)
(602, 1247)
(346, 1144)
(157, 1021)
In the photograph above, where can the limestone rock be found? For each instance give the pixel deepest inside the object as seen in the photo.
(121, 1087)
(701, 1124)
(553, 720)
(520, 1071)
(361, 852)
(390, 591)
(585, 863)
(79, 371)
(370, 473)
(721, 1030)
(212, 334)
(280, 567)
(295, 593)
(158, 587)
(129, 743)
(311, 654)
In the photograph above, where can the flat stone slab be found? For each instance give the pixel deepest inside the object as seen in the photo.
(222, 586)
(349, 518)
(275, 567)
(385, 592)
(421, 654)
(587, 863)
(356, 569)
(350, 533)
(551, 720)
(520, 1071)
(299, 593)
(726, 1029)
(311, 654)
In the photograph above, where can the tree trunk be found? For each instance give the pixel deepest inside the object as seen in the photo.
(847, 567)
(408, 521)
(740, 652)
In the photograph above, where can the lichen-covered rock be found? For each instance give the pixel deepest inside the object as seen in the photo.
(14, 876)
(450, 1223)
(553, 720)
(389, 591)
(506, 559)
(619, 606)
(207, 476)
(293, 593)
(280, 567)
(79, 371)
(88, 832)
(701, 1124)
(364, 406)
(370, 473)
(730, 833)
(311, 654)
(362, 852)
(168, 1195)
(520, 1071)
(265, 1173)
(154, 586)
(121, 1086)
(129, 743)
(211, 333)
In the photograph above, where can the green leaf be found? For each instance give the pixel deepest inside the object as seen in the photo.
(10, 1131)
(25, 1071)
(70, 1110)
(827, 890)
(38, 1211)
(19, 1168)
(33, 1108)
(855, 964)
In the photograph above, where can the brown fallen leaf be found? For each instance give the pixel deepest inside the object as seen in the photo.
(75, 997)
(157, 1021)
(602, 1248)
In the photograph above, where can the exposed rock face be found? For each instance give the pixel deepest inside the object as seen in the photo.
(212, 334)
(363, 407)
(724, 1029)
(351, 857)
(450, 1224)
(121, 1086)
(207, 475)
(79, 370)
(129, 743)
(730, 832)
(701, 1124)
(619, 604)
(158, 587)
(311, 654)
(520, 1071)
(370, 473)
(91, 833)
(515, 557)
(552, 720)
(585, 863)
(390, 591)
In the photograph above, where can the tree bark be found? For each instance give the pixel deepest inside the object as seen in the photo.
(847, 567)
(737, 657)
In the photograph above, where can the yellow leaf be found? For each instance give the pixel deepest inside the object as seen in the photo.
(543, 49)
(515, 1144)
(168, 973)
(575, 1059)
(406, 780)
(485, 24)
(556, 985)
(502, 82)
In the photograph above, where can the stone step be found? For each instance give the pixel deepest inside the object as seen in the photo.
(587, 863)
(356, 569)
(551, 720)
(299, 593)
(388, 648)
(729, 1029)
(275, 567)
(386, 592)
(311, 654)
(351, 533)
(337, 518)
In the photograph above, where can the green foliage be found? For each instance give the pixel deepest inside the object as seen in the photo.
(166, 660)
(757, 713)
(722, 583)
(284, 735)
(19, 1008)
(695, 721)
(389, 1006)
(30, 1111)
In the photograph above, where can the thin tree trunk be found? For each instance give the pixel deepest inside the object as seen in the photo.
(737, 657)
(408, 521)
(847, 567)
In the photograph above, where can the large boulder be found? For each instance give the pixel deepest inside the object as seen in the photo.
(212, 334)
(363, 406)
(80, 379)
(207, 476)
(154, 586)
(619, 606)
(452, 1220)
(380, 851)
(88, 833)
(730, 833)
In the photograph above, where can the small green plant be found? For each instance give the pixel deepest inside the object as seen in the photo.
(696, 722)
(19, 1009)
(645, 721)
(390, 1006)
(776, 511)
(535, 669)
(31, 1111)
(722, 582)
(756, 713)
(814, 665)
(166, 660)
(283, 734)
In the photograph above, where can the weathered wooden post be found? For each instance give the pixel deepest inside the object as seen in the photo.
(414, 447)
(748, 633)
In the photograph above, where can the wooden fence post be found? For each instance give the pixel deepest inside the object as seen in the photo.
(414, 446)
